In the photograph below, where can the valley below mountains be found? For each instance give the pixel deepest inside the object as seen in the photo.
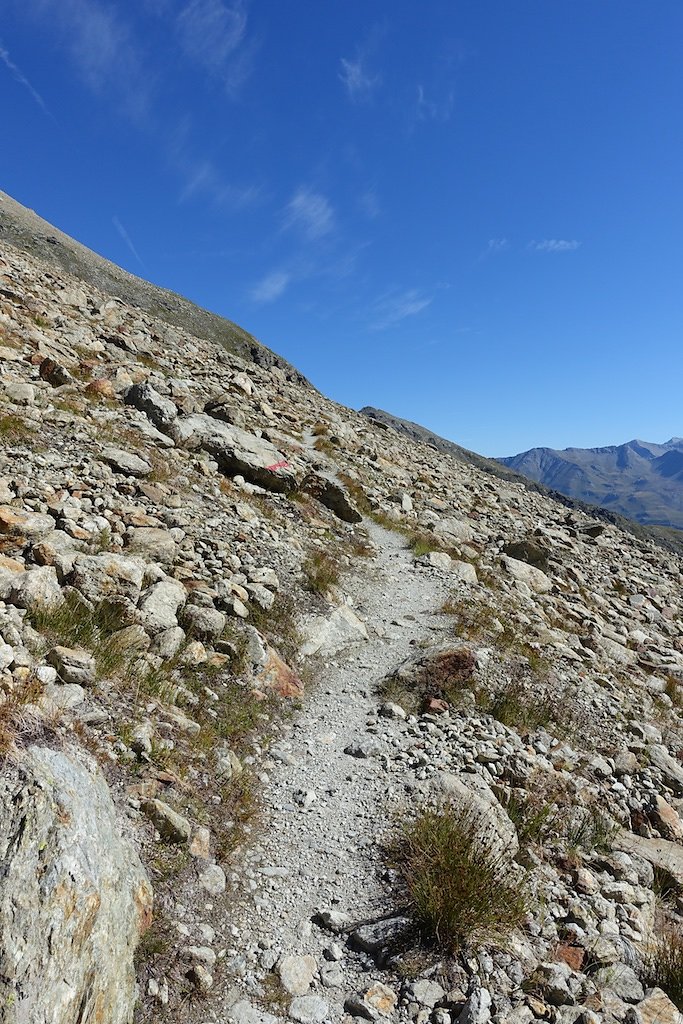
(306, 716)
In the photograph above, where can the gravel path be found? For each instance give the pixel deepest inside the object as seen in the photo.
(324, 809)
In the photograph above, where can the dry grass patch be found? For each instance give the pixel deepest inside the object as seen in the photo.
(18, 714)
(674, 692)
(524, 703)
(279, 624)
(13, 428)
(74, 624)
(663, 966)
(324, 445)
(422, 543)
(321, 570)
(355, 489)
(461, 891)
(442, 676)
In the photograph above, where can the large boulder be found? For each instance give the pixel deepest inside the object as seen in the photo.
(661, 853)
(24, 526)
(74, 897)
(159, 605)
(152, 543)
(535, 579)
(37, 590)
(122, 461)
(107, 577)
(332, 495)
(329, 634)
(238, 451)
(453, 531)
(159, 410)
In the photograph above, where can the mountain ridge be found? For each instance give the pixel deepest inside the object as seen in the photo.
(638, 479)
(27, 230)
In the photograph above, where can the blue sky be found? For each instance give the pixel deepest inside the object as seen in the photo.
(468, 212)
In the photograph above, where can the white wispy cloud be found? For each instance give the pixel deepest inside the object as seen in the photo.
(126, 238)
(555, 245)
(21, 78)
(212, 33)
(393, 307)
(103, 49)
(435, 107)
(271, 287)
(369, 204)
(202, 177)
(496, 245)
(311, 213)
(358, 81)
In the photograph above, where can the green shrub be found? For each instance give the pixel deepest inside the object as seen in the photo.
(460, 890)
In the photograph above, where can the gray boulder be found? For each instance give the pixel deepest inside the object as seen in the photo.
(107, 577)
(329, 634)
(159, 605)
(73, 665)
(238, 452)
(153, 543)
(74, 898)
(535, 579)
(37, 590)
(332, 495)
(126, 462)
(159, 410)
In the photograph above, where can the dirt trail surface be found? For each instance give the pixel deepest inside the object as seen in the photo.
(325, 809)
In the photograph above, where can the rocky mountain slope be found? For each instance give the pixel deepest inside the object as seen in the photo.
(304, 720)
(502, 468)
(639, 479)
(24, 229)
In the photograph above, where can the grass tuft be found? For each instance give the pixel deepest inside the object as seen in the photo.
(321, 571)
(12, 427)
(421, 544)
(279, 624)
(523, 704)
(591, 830)
(18, 714)
(74, 624)
(460, 890)
(663, 966)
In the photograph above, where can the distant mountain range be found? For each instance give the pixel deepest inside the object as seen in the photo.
(640, 479)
